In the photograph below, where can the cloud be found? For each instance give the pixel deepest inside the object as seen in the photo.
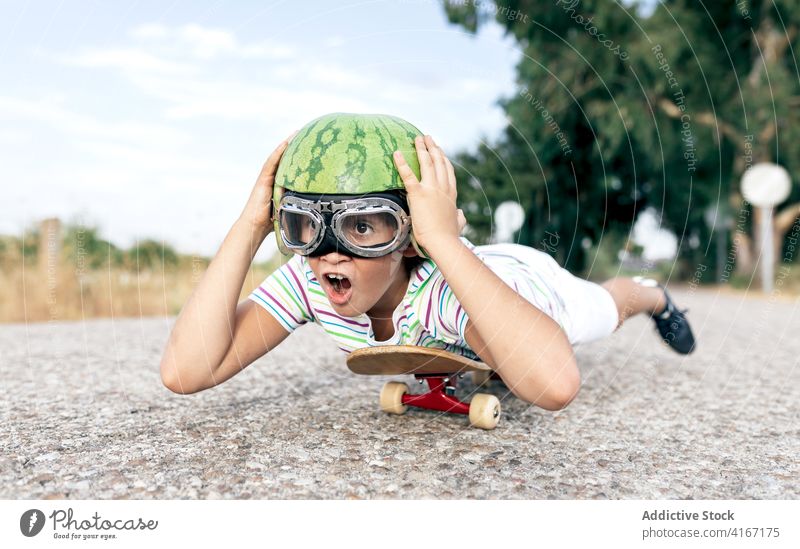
(149, 31)
(205, 43)
(335, 41)
(178, 51)
(51, 112)
(202, 73)
(15, 136)
(182, 66)
(127, 60)
(240, 100)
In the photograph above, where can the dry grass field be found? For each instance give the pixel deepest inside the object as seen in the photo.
(68, 272)
(84, 277)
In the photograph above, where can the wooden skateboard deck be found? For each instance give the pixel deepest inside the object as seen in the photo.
(408, 359)
(441, 369)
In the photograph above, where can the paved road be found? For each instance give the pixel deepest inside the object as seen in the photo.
(84, 416)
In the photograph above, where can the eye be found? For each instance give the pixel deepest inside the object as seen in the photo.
(362, 227)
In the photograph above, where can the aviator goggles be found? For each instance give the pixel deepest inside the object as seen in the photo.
(373, 225)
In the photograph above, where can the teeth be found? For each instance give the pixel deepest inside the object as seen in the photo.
(336, 276)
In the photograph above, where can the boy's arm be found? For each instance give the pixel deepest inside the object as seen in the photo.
(202, 335)
(525, 346)
(256, 332)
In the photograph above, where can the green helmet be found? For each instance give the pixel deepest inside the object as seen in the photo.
(345, 153)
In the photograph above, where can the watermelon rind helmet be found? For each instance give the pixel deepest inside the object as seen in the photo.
(345, 154)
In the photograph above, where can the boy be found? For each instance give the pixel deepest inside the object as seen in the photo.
(368, 207)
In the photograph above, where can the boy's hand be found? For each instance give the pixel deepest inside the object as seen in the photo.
(432, 201)
(258, 210)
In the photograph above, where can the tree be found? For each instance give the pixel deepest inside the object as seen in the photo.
(149, 254)
(614, 112)
(738, 63)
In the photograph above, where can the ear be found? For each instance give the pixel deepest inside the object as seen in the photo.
(409, 251)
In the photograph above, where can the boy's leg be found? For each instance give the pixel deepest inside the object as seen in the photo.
(632, 298)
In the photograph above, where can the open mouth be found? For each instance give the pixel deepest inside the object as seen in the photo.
(338, 287)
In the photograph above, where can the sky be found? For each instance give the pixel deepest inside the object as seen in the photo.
(152, 119)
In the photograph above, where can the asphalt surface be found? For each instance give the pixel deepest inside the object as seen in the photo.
(85, 416)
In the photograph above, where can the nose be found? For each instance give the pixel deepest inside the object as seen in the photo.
(335, 257)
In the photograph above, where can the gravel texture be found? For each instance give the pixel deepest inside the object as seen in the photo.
(85, 416)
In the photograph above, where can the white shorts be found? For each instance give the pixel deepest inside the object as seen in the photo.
(590, 307)
(590, 310)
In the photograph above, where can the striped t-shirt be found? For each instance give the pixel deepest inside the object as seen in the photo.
(429, 314)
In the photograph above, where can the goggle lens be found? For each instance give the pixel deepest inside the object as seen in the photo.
(299, 228)
(369, 230)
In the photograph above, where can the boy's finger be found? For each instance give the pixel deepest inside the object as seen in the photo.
(272, 162)
(451, 172)
(406, 173)
(426, 169)
(438, 161)
(462, 221)
(451, 177)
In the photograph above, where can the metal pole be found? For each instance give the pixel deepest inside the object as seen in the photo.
(767, 259)
(722, 249)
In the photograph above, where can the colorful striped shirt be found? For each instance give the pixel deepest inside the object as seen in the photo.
(429, 314)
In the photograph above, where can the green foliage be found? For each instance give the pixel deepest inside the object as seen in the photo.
(85, 248)
(613, 112)
(29, 244)
(13, 249)
(150, 254)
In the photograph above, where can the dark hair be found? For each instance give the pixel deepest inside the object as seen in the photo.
(410, 263)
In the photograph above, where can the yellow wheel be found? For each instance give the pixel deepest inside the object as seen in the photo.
(479, 377)
(484, 411)
(392, 397)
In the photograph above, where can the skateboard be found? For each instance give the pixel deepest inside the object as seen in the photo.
(440, 369)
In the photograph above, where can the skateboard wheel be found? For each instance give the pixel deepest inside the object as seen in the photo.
(479, 377)
(484, 411)
(392, 397)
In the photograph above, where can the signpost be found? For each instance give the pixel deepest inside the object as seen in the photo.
(508, 218)
(766, 185)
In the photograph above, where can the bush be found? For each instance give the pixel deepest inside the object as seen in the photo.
(149, 254)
